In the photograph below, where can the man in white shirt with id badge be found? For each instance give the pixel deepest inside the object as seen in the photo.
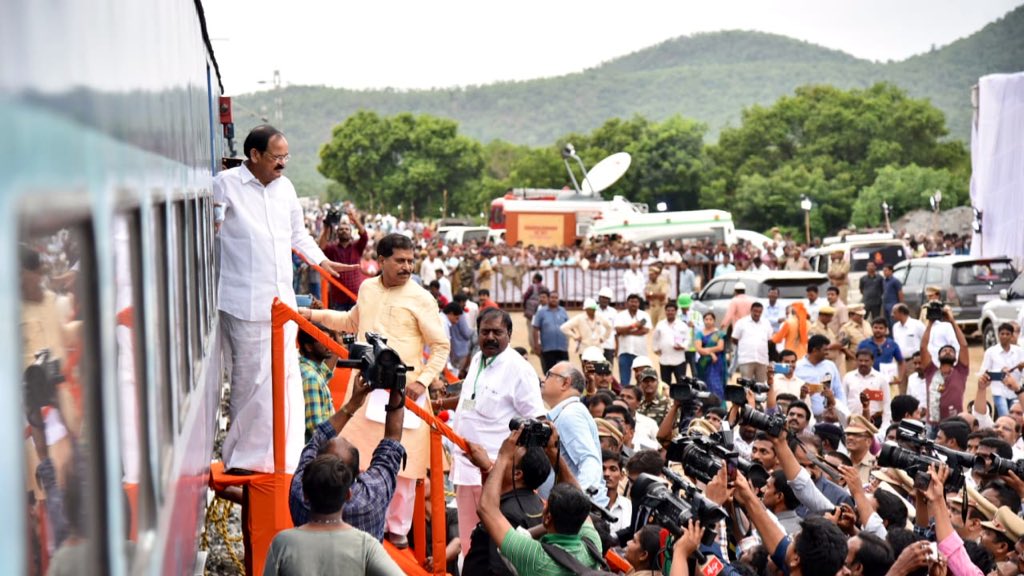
(500, 385)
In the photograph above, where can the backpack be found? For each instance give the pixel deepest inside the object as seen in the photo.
(569, 562)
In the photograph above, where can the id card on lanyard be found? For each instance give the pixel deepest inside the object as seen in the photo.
(470, 403)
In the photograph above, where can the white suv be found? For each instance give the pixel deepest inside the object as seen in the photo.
(1007, 308)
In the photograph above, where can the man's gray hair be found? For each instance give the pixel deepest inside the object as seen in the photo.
(576, 379)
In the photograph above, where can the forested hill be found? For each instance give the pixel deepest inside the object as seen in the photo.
(710, 77)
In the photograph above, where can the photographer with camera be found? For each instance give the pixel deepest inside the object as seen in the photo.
(376, 485)
(946, 382)
(501, 385)
(338, 244)
(819, 548)
(563, 385)
(519, 504)
(566, 517)
(405, 314)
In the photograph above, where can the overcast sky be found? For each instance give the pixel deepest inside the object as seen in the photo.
(417, 44)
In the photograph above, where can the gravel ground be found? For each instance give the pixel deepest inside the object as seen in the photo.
(218, 561)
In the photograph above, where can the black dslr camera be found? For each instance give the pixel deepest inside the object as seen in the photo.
(771, 425)
(934, 311)
(672, 511)
(602, 368)
(737, 393)
(535, 432)
(380, 365)
(41, 379)
(332, 218)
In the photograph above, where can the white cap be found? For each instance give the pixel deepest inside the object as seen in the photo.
(739, 286)
(592, 354)
(642, 362)
(589, 304)
(606, 292)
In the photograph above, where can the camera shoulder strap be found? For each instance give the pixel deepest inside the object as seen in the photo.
(566, 560)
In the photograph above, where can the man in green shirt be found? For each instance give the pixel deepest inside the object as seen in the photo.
(566, 517)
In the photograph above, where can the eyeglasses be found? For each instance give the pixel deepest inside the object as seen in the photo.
(553, 373)
(279, 157)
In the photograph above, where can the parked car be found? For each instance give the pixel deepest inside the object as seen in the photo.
(792, 287)
(858, 251)
(1006, 308)
(967, 283)
(463, 234)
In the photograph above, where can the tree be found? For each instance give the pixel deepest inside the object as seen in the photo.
(404, 159)
(908, 188)
(832, 142)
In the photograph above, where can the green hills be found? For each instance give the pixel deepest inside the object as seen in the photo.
(710, 77)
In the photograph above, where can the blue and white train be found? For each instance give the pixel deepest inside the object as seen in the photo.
(111, 137)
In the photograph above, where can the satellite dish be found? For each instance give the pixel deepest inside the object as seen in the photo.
(605, 173)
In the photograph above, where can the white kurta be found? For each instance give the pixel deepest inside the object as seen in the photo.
(261, 225)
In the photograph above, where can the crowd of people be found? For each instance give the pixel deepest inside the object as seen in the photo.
(823, 439)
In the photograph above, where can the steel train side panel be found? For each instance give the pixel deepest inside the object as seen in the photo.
(110, 107)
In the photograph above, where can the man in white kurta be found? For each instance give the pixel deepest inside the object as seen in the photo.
(407, 315)
(500, 385)
(259, 221)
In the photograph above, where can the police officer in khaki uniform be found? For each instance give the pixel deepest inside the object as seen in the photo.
(834, 351)
(854, 332)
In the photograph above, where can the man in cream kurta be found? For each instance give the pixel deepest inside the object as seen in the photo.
(407, 315)
(259, 221)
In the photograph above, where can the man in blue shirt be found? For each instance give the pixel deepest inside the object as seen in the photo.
(815, 370)
(548, 337)
(885, 349)
(892, 292)
(577, 431)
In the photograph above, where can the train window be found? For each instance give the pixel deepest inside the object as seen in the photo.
(162, 345)
(200, 270)
(65, 503)
(127, 328)
(192, 282)
(179, 280)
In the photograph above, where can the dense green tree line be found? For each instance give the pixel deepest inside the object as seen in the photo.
(845, 150)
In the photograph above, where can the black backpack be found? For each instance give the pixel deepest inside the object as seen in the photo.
(569, 562)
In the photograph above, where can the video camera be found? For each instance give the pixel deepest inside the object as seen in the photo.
(689, 389)
(41, 378)
(535, 432)
(737, 393)
(703, 457)
(674, 512)
(771, 425)
(380, 365)
(916, 463)
(934, 311)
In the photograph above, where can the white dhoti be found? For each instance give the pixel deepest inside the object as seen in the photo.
(250, 439)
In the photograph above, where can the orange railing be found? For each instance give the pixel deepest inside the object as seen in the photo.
(282, 314)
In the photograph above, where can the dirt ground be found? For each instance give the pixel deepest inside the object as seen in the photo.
(520, 337)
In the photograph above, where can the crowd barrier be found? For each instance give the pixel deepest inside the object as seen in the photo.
(574, 284)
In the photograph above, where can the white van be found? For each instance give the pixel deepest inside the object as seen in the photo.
(463, 234)
(858, 253)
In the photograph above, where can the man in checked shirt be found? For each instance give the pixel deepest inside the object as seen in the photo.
(366, 507)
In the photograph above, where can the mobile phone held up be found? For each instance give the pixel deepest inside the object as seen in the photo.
(996, 375)
(303, 300)
(781, 369)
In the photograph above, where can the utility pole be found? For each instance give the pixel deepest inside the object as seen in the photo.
(278, 100)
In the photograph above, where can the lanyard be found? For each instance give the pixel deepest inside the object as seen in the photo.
(484, 363)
